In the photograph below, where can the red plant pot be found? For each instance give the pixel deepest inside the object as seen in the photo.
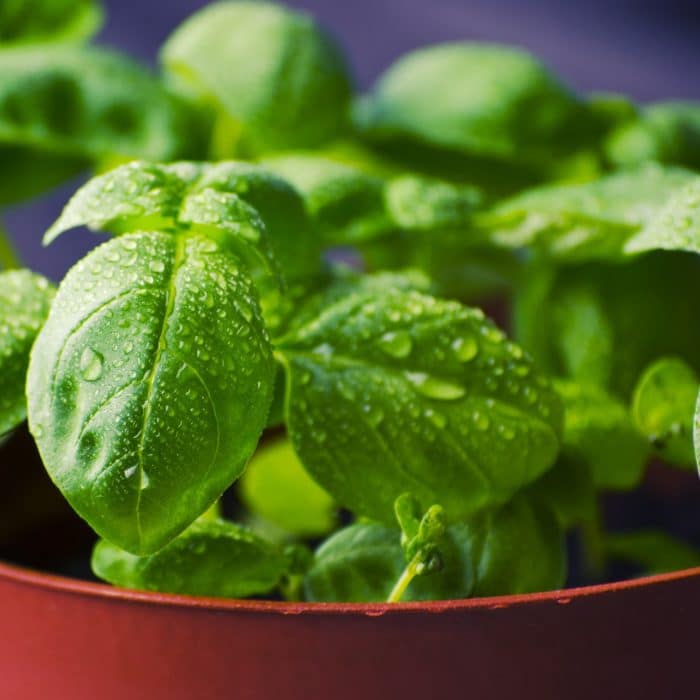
(72, 640)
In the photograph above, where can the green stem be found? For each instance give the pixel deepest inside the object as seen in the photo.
(413, 569)
(214, 512)
(9, 259)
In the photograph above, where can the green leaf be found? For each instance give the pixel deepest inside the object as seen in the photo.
(657, 552)
(48, 20)
(599, 431)
(71, 106)
(585, 221)
(667, 132)
(210, 558)
(480, 99)
(392, 391)
(150, 384)
(276, 487)
(25, 299)
(345, 203)
(567, 489)
(361, 563)
(664, 406)
(675, 227)
(238, 204)
(423, 204)
(271, 76)
(599, 323)
(518, 548)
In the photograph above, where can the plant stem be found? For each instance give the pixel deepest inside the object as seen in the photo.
(9, 259)
(413, 569)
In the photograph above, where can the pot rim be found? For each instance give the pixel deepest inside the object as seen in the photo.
(62, 584)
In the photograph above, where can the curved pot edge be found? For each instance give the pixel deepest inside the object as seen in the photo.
(37, 579)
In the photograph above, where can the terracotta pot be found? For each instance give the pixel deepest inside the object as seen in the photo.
(72, 640)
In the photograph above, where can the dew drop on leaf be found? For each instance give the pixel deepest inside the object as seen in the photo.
(434, 388)
(465, 349)
(398, 344)
(91, 365)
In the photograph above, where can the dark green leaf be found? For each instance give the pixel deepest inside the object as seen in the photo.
(346, 204)
(210, 558)
(667, 132)
(25, 299)
(518, 548)
(149, 384)
(664, 407)
(48, 20)
(272, 77)
(392, 391)
(656, 552)
(276, 487)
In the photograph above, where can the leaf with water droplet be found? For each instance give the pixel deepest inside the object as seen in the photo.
(25, 299)
(211, 558)
(186, 405)
(427, 441)
(588, 221)
(240, 205)
(276, 487)
(663, 407)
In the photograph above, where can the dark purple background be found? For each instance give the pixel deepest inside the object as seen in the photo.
(646, 48)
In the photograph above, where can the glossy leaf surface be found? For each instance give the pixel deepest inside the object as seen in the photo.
(210, 558)
(149, 384)
(392, 391)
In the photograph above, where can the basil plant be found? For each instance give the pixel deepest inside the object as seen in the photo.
(384, 438)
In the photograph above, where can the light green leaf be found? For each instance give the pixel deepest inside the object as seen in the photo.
(599, 431)
(48, 20)
(150, 384)
(346, 204)
(663, 407)
(392, 391)
(675, 227)
(271, 76)
(476, 98)
(657, 552)
(276, 487)
(667, 132)
(210, 558)
(585, 221)
(25, 299)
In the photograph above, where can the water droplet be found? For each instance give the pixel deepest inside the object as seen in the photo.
(434, 388)
(481, 420)
(91, 365)
(397, 344)
(437, 419)
(465, 349)
(374, 415)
